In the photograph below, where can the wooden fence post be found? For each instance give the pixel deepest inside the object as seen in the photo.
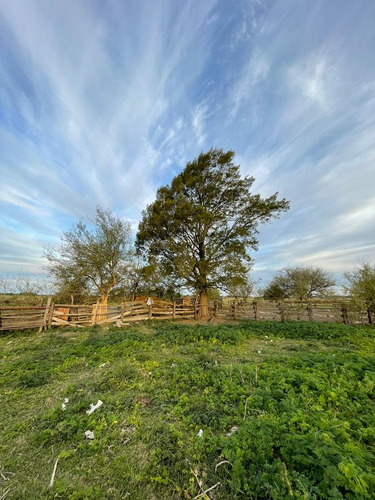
(344, 314)
(195, 309)
(45, 317)
(150, 311)
(281, 310)
(310, 311)
(122, 312)
(174, 310)
(255, 307)
(369, 315)
(94, 313)
(50, 315)
(215, 308)
(234, 309)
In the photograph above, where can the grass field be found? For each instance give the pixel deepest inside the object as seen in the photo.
(291, 418)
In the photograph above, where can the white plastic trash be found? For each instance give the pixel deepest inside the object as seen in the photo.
(94, 407)
(89, 435)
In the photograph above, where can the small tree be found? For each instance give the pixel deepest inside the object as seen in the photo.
(274, 291)
(148, 279)
(95, 257)
(200, 228)
(299, 282)
(242, 289)
(360, 284)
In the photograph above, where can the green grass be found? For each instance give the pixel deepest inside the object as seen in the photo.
(21, 300)
(304, 407)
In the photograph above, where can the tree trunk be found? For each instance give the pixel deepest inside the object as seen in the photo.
(203, 305)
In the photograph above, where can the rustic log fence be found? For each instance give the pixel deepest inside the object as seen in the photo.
(333, 311)
(72, 315)
(18, 318)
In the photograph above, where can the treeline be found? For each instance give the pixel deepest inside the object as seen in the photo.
(196, 237)
(303, 283)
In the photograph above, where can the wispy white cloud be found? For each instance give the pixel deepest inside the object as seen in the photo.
(104, 102)
(199, 117)
(249, 84)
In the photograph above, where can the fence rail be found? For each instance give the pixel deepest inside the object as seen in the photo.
(18, 318)
(333, 311)
(43, 317)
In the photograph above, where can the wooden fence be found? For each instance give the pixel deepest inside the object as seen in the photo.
(17, 318)
(337, 311)
(333, 311)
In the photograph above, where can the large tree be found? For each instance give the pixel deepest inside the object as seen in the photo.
(201, 227)
(95, 257)
(299, 282)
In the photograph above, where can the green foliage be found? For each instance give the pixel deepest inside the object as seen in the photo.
(199, 228)
(33, 378)
(299, 282)
(150, 280)
(303, 406)
(95, 258)
(361, 284)
(241, 289)
(274, 291)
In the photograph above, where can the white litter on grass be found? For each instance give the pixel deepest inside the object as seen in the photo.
(200, 433)
(271, 341)
(215, 363)
(266, 336)
(232, 431)
(94, 407)
(63, 406)
(102, 365)
(89, 435)
(53, 474)
(173, 365)
(259, 352)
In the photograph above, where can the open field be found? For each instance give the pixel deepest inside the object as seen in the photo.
(303, 406)
(22, 299)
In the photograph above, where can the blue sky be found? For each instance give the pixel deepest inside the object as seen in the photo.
(103, 101)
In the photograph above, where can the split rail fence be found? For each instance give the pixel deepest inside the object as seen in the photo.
(17, 318)
(43, 317)
(333, 311)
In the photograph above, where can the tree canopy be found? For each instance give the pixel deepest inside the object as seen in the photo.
(95, 257)
(360, 284)
(201, 226)
(299, 282)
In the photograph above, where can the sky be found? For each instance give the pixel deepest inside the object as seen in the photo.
(104, 101)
